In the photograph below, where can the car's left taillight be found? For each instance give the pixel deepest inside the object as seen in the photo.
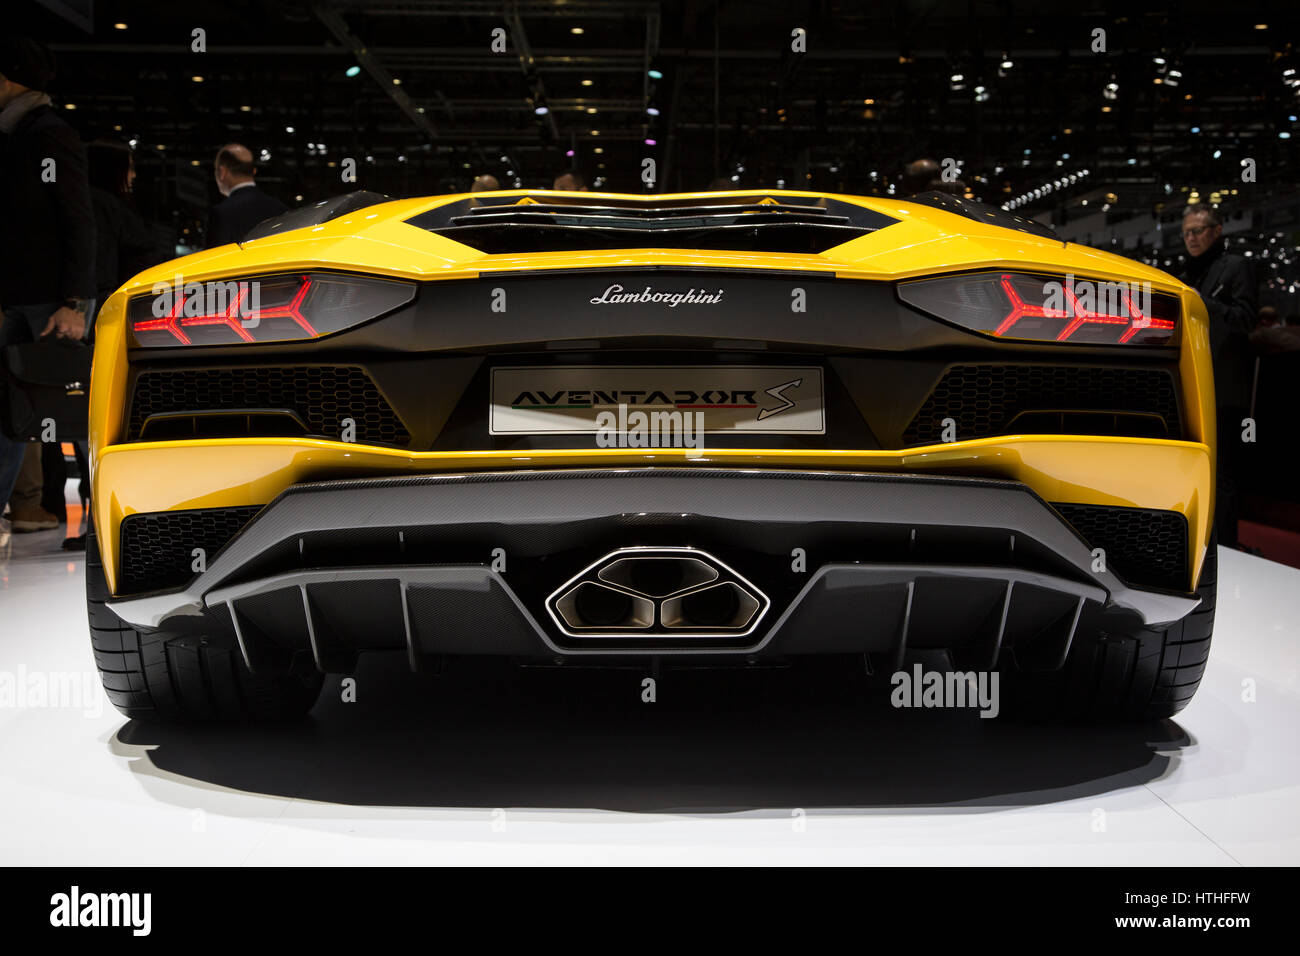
(260, 309)
(1045, 308)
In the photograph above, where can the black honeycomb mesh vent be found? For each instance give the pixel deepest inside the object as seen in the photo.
(985, 400)
(1146, 548)
(158, 549)
(321, 395)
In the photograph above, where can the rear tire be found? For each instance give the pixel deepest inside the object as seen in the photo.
(1130, 672)
(163, 675)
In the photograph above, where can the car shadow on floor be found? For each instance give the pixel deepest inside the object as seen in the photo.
(486, 735)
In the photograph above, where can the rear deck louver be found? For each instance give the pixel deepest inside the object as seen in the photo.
(505, 225)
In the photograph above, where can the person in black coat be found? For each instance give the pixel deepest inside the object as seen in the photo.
(47, 227)
(245, 204)
(124, 242)
(124, 245)
(47, 241)
(1228, 287)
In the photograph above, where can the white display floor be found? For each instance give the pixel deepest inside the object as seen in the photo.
(487, 764)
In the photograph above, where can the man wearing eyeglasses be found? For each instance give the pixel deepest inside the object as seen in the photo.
(1227, 285)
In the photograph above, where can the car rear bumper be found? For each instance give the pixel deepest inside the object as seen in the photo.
(175, 476)
(472, 563)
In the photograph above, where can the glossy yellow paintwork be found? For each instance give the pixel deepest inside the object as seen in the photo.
(160, 476)
(157, 476)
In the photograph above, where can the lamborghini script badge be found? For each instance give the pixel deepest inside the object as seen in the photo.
(615, 295)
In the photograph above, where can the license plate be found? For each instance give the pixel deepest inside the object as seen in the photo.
(747, 399)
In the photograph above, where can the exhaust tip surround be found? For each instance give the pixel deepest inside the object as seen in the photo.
(648, 592)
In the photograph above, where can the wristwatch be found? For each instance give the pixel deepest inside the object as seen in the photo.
(76, 305)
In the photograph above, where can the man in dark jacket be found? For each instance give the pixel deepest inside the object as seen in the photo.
(245, 204)
(1227, 285)
(47, 238)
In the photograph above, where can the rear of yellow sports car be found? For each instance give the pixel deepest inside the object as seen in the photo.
(724, 427)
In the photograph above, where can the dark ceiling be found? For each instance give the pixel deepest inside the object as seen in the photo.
(433, 104)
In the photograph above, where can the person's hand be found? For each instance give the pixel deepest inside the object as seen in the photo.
(66, 324)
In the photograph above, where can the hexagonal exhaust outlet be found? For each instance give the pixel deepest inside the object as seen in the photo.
(669, 592)
(594, 606)
(725, 606)
(658, 575)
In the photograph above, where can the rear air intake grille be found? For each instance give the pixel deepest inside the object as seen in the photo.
(158, 549)
(1145, 548)
(320, 396)
(746, 223)
(987, 400)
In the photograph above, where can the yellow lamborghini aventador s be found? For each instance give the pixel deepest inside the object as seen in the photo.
(737, 427)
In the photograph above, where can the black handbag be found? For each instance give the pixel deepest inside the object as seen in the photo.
(47, 381)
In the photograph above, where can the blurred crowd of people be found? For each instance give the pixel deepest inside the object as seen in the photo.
(69, 236)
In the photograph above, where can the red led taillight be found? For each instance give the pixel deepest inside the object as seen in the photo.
(293, 310)
(1049, 308)
(166, 324)
(261, 309)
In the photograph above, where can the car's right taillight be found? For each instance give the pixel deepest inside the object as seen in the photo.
(1066, 309)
